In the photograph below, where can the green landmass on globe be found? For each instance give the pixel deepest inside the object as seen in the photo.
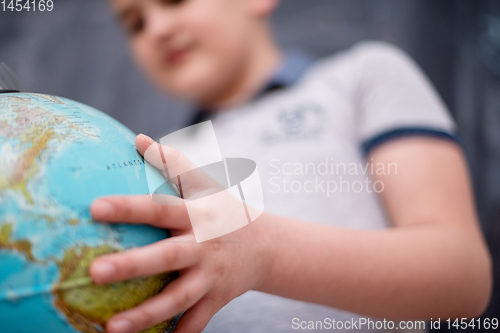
(23, 246)
(56, 157)
(91, 305)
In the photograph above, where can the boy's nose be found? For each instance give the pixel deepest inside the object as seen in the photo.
(160, 23)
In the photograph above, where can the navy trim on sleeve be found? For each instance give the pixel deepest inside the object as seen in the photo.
(409, 131)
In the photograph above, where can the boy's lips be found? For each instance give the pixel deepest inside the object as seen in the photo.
(177, 55)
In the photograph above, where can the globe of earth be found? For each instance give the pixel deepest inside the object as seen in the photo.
(56, 157)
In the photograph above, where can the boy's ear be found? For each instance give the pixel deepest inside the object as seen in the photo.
(263, 7)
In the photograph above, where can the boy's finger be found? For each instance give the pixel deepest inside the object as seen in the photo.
(163, 157)
(178, 169)
(171, 254)
(142, 142)
(145, 144)
(140, 209)
(197, 318)
(178, 296)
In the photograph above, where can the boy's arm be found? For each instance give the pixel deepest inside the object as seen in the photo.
(433, 263)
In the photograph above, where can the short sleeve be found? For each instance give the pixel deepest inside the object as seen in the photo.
(394, 98)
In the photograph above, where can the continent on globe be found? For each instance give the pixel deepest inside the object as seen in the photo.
(88, 307)
(22, 246)
(56, 157)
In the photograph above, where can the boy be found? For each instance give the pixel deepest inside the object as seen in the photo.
(400, 243)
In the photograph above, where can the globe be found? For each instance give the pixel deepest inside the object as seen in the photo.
(56, 157)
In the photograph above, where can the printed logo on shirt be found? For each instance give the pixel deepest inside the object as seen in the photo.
(302, 121)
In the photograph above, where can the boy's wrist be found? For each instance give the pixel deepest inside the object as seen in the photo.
(264, 248)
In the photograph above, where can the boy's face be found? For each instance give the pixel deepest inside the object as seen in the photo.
(195, 49)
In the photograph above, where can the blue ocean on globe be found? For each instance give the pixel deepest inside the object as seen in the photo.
(56, 157)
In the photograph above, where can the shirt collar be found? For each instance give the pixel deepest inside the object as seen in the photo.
(295, 64)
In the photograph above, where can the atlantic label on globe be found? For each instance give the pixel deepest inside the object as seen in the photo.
(56, 157)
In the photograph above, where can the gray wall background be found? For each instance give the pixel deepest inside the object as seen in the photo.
(77, 51)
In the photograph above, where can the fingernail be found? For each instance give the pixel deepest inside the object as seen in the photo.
(120, 326)
(102, 209)
(147, 138)
(104, 271)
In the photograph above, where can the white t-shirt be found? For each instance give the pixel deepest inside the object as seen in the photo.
(310, 143)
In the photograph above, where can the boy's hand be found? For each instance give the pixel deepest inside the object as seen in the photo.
(211, 273)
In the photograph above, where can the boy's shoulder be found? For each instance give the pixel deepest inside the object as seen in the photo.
(365, 60)
(367, 51)
(365, 55)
